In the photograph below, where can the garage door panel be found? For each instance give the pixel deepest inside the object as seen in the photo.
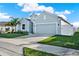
(46, 28)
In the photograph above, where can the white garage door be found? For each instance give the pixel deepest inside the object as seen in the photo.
(46, 29)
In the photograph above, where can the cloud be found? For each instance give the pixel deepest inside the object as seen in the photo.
(31, 7)
(63, 16)
(67, 12)
(4, 16)
(76, 24)
(20, 4)
(63, 12)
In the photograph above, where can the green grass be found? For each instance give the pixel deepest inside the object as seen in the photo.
(78, 30)
(32, 52)
(63, 41)
(11, 35)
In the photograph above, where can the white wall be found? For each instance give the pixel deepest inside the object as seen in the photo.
(2, 28)
(67, 30)
(59, 27)
(46, 18)
(19, 26)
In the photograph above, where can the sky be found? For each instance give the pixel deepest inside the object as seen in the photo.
(69, 11)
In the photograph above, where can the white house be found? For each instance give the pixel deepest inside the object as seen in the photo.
(46, 24)
(6, 28)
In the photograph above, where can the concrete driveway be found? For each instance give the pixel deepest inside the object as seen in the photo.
(11, 47)
(24, 39)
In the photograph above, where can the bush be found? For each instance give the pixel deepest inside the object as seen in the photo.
(22, 32)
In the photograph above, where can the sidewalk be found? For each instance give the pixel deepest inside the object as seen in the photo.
(6, 52)
(61, 51)
(8, 49)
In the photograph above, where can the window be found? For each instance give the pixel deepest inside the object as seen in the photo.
(58, 24)
(23, 26)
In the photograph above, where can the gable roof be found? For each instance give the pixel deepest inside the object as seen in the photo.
(52, 14)
(44, 12)
(21, 19)
(5, 24)
(29, 18)
(18, 21)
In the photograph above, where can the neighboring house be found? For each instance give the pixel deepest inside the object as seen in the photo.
(46, 24)
(6, 28)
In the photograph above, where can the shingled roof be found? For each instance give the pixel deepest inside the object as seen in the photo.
(3, 23)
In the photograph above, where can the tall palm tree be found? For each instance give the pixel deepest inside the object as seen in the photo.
(14, 21)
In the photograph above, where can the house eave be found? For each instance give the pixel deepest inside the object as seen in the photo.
(65, 20)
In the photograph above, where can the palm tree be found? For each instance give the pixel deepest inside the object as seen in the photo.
(14, 22)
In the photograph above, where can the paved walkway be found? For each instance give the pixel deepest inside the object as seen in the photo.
(9, 49)
(7, 52)
(54, 49)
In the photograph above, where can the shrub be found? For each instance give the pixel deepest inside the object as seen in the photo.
(22, 32)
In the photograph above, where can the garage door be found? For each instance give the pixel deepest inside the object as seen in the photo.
(46, 28)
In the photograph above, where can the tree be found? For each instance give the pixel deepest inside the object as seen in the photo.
(14, 22)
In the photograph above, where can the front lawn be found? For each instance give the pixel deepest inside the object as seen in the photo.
(63, 41)
(11, 35)
(32, 52)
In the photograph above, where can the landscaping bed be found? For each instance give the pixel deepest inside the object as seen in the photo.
(13, 35)
(63, 41)
(32, 52)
